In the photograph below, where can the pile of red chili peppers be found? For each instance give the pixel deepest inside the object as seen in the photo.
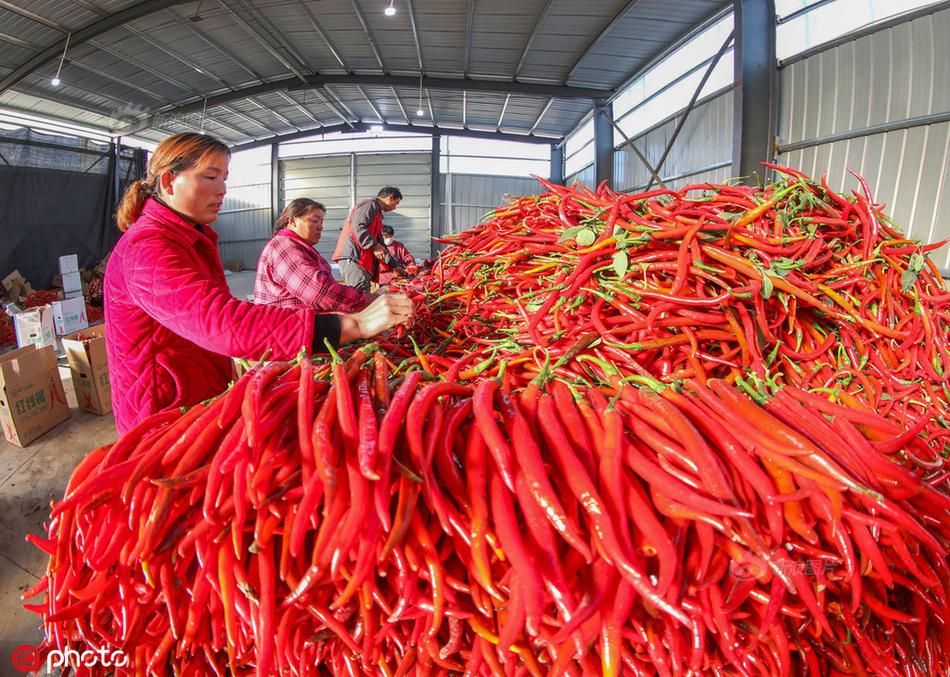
(792, 283)
(667, 472)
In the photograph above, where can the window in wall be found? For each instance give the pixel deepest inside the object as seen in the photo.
(250, 166)
(829, 20)
(461, 155)
(14, 118)
(579, 148)
(356, 142)
(667, 87)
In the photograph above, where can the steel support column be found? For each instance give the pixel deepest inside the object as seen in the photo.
(435, 203)
(275, 207)
(756, 74)
(557, 164)
(603, 142)
(116, 172)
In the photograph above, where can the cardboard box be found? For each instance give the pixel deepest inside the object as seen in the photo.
(90, 369)
(73, 294)
(69, 264)
(32, 399)
(69, 316)
(35, 327)
(72, 281)
(15, 286)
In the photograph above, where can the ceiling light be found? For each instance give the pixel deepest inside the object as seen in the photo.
(375, 129)
(390, 11)
(56, 81)
(419, 111)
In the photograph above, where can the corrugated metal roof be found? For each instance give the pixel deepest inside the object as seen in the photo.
(150, 67)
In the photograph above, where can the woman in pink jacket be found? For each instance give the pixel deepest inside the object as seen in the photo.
(171, 321)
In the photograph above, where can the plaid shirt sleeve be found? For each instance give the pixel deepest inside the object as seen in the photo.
(307, 276)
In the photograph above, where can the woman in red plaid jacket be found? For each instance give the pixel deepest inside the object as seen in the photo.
(291, 273)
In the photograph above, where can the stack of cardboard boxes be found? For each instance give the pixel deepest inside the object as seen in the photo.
(41, 325)
(69, 315)
(32, 398)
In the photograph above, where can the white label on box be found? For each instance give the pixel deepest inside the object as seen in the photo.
(72, 282)
(34, 326)
(70, 315)
(69, 264)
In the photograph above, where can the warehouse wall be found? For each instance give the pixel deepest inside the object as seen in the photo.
(585, 176)
(465, 198)
(894, 76)
(325, 179)
(702, 151)
(338, 180)
(244, 222)
(412, 173)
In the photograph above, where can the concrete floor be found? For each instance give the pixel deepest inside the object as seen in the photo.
(29, 479)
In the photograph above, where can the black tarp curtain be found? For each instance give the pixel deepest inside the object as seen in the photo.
(58, 196)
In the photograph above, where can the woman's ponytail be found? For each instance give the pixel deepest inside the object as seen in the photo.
(130, 209)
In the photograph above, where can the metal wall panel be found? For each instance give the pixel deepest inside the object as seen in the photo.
(906, 169)
(412, 174)
(466, 198)
(703, 145)
(586, 177)
(244, 223)
(890, 76)
(324, 179)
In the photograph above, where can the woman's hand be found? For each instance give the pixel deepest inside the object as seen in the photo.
(386, 312)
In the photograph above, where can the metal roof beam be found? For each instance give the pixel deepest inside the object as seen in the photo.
(544, 111)
(214, 44)
(342, 105)
(13, 40)
(317, 81)
(108, 76)
(399, 103)
(145, 67)
(531, 38)
(274, 113)
(379, 115)
(323, 35)
(178, 57)
(299, 106)
(264, 43)
(468, 36)
(78, 37)
(600, 36)
(415, 35)
(459, 84)
(431, 110)
(330, 105)
(248, 118)
(504, 109)
(274, 33)
(369, 35)
(411, 129)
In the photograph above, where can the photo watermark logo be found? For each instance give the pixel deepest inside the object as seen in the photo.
(26, 659)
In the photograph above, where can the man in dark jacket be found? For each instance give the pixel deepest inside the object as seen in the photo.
(360, 248)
